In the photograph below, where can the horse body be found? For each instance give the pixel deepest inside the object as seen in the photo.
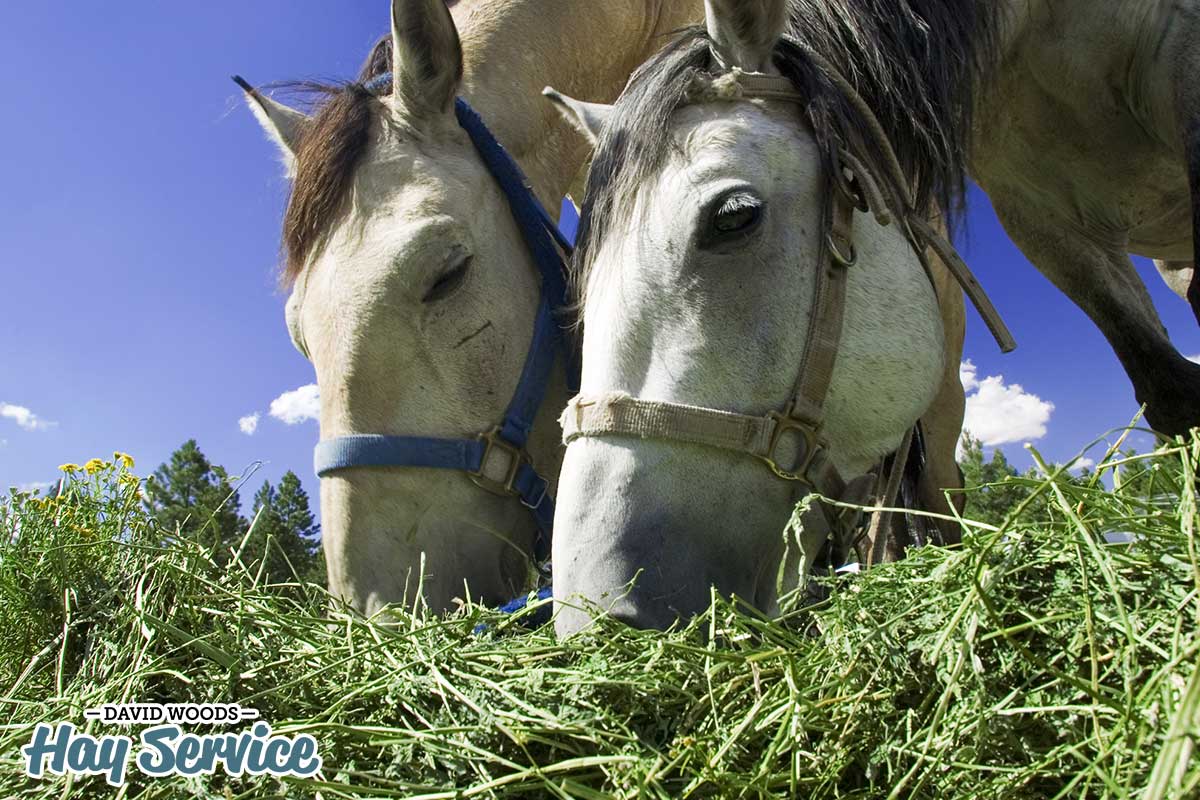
(413, 293)
(512, 48)
(1081, 82)
(1082, 142)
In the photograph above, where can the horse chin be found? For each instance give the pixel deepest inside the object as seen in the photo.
(458, 544)
(647, 531)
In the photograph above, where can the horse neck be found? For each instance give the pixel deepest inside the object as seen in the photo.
(513, 48)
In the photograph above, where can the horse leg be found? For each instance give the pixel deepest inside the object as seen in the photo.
(1102, 281)
(1178, 275)
(1187, 99)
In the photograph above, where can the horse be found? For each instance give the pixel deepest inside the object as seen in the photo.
(414, 292)
(725, 249)
(1085, 137)
(1087, 151)
(1087, 142)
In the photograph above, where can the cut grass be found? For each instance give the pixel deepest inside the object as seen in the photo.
(1035, 661)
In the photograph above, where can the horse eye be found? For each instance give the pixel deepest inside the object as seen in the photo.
(449, 280)
(735, 214)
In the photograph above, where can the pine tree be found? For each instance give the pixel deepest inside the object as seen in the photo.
(284, 533)
(191, 495)
(265, 529)
(998, 494)
(303, 531)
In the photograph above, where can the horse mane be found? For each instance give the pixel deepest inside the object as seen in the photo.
(916, 63)
(919, 65)
(330, 149)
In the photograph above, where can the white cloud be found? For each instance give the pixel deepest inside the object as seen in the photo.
(1077, 466)
(967, 374)
(999, 413)
(249, 423)
(1195, 358)
(297, 405)
(24, 417)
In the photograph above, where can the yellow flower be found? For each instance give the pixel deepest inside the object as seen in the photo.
(124, 458)
(69, 467)
(95, 465)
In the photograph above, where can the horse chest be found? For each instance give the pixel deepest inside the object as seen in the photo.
(1073, 123)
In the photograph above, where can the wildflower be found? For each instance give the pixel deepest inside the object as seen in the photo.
(124, 458)
(69, 468)
(95, 465)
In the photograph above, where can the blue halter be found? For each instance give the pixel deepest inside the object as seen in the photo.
(502, 449)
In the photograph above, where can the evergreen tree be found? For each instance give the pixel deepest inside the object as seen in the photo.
(993, 492)
(264, 534)
(303, 531)
(195, 497)
(285, 534)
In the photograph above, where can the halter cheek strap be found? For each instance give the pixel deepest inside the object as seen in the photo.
(497, 460)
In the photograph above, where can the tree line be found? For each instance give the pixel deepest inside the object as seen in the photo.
(196, 498)
(995, 488)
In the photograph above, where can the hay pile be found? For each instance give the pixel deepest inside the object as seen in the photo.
(1037, 661)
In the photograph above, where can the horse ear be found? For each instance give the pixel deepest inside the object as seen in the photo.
(427, 61)
(745, 32)
(588, 118)
(283, 125)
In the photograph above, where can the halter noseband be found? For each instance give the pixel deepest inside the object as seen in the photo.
(790, 442)
(502, 450)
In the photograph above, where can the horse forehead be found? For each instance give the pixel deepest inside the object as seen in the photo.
(406, 171)
(727, 137)
(410, 187)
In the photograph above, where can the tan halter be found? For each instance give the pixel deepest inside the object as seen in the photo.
(790, 441)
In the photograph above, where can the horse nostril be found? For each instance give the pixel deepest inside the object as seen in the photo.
(643, 619)
(574, 616)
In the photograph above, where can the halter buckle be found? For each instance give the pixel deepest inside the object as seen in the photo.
(516, 456)
(534, 505)
(786, 424)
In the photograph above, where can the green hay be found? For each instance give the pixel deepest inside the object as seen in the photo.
(1036, 661)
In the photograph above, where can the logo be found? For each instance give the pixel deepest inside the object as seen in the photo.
(165, 749)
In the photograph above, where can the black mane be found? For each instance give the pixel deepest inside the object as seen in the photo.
(916, 63)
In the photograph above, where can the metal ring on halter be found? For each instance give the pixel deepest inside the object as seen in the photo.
(845, 259)
(534, 505)
(786, 424)
(845, 180)
(515, 457)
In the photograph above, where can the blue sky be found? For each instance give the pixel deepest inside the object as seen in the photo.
(140, 220)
